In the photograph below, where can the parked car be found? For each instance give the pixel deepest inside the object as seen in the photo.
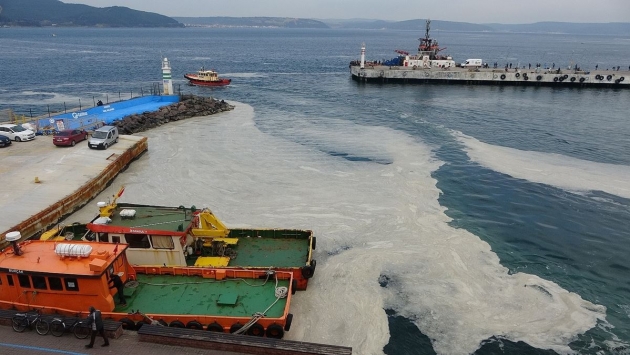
(103, 137)
(16, 133)
(5, 141)
(69, 137)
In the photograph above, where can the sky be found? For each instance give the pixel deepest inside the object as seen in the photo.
(474, 11)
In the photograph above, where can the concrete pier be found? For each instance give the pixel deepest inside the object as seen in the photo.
(41, 182)
(489, 76)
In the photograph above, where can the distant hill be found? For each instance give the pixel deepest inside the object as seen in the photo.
(416, 25)
(613, 28)
(54, 12)
(285, 22)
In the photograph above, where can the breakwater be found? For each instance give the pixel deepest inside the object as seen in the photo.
(188, 106)
(487, 76)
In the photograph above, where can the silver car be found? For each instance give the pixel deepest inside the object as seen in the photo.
(103, 137)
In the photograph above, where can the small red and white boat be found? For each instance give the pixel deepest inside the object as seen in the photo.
(206, 78)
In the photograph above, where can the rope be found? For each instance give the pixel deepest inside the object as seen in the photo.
(280, 292)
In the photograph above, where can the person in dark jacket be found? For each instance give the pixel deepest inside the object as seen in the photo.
(120, 286)
(95, 322)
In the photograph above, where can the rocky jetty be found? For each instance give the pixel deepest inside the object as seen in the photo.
(189, 106)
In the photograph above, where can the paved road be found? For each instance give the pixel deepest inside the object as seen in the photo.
(30, 343)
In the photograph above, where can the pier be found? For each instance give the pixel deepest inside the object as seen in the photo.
(490, 76)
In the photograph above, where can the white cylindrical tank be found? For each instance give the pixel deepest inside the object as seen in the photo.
(78, 250)
(13, 236)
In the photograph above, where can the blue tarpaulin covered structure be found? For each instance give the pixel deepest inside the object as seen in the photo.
(106, 114)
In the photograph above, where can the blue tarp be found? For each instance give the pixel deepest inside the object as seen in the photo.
(106, 114)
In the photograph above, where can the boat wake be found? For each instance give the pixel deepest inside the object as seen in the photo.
(571, 174)
(371, 219)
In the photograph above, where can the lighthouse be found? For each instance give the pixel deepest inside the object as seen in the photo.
(167, 78)
(362, 55)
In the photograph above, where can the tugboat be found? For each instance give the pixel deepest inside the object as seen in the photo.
(205, 77)
(427, 56)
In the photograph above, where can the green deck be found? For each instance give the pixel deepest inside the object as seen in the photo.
(191, 295)
(281, 248)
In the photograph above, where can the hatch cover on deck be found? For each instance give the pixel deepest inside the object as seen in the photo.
(227, 299)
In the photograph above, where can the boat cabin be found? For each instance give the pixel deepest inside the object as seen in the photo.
(39, 274)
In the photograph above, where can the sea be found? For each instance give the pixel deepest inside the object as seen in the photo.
(449, 219)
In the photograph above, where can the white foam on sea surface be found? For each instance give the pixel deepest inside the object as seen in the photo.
(568, 173)
(371, 219)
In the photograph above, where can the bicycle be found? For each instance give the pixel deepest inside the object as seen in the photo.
(79, 328)
(21, 321)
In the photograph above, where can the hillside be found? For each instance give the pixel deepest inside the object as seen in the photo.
(283, 22)
(54, 12)
(613, 28)
(416, 25)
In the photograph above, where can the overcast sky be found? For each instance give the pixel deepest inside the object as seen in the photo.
(475, 11)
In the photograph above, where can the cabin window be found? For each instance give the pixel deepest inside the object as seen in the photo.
(103, 237)
(39, 282)
(162, 242)
(24, 281)
(10, 280)
(116, 239)
(138, 241)
(55, 283)
(71, 284)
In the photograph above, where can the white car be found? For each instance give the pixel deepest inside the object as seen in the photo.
(16, 133)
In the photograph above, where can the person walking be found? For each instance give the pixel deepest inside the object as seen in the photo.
(120, 287)
(95, 322)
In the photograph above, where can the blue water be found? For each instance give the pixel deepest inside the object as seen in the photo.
(555, 204)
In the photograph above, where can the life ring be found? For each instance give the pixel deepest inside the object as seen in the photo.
(313, 242)
(193, 324)
(128, 324)
(415, 67)
(539, 77)
(215, 327)
(256, 330)
(177, 324)
(517, 75)
(235, 327)
(274, 331)
(572, 79)
(502, 76)
(293, 286)
(287, 324)
(582, 79)
(609, 77)
(555, 79)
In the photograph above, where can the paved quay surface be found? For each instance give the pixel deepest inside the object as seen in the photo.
(31, 343)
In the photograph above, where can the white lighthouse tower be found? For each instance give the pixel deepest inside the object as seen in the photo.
(362, 55)
(167, 78)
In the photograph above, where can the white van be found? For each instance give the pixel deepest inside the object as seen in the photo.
(103, 137)
(16, 133)
(472, 63)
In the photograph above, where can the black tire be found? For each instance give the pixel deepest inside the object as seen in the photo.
(215, 327)
(116, 141)
(19, 324)
(517, 75)
(73, 143)
(42, 327)
(139, 325)
(18, 139)
(609, 77)
(556, 79)
(256, 330)
(525, 77)
(582, 80)
(128, 324)
(539, 77)
(314, 243)
(293, 286)
(104, 146)
(287, 324)
(81, 330)
(620, 79)
(235, 327)
(572, 79)
(308, 271)
(502, 76)
(565, 76)
(57, 328)
(193, 324)
(274, 331)
(177, 324)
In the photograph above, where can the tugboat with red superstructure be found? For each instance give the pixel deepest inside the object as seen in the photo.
(205, 77)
